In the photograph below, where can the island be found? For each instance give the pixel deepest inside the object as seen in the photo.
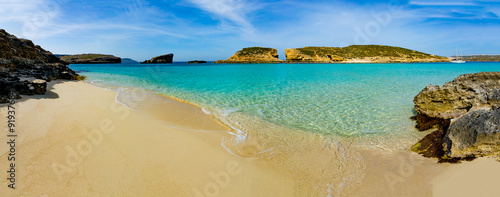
(197, 62)
(90, 59)
(253, 55)
(162, 59)
(359, 54)
(25, 68)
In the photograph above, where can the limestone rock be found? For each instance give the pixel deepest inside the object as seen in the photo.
(254, 55)
(465, 93)
(162, 59)
(476, 133)
(467, 114)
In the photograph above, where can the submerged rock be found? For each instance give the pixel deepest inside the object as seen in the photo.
(467, 115)
(253, 55)
(162, 59)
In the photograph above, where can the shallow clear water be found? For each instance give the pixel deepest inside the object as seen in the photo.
(333, 99)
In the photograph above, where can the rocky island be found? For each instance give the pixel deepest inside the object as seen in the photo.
(162, 59)
(26, 68)
(197, 62)
(91, 59)
(466, 112)
(253, 55)
(359, 54)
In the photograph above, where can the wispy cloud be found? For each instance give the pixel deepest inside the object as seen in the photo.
(234, 11)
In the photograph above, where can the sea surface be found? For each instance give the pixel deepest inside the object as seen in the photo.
(350, 100)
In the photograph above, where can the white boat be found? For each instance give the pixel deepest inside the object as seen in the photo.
(458, 59)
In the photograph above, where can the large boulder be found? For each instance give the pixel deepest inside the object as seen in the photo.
(466, 93)
(476, 133)
(467, 115)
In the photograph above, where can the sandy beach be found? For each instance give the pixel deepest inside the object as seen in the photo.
(78, 141)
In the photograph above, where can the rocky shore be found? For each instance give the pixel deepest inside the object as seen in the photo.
(253, 55)
(162, 59)
(26, 68)
(91, 59)
(466, 113)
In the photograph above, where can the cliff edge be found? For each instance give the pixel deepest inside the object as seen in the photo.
(253, 55)
(359, 54)
(25, 68)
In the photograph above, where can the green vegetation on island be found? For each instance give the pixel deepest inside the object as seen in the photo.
(359, 53)
(90, 59)
(254, 55)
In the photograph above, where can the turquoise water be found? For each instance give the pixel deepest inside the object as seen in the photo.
(332, 99)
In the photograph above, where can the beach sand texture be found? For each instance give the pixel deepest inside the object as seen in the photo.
(78, 141)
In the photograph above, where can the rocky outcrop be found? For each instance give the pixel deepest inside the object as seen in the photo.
(91, 59)
(359, 54)
(467, 115)
(163, 59)
(476, 133)
(465, 93)
(197, 62)
(253, 55)
(25, 68)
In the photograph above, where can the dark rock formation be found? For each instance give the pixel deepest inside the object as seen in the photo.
(197, 62)
(476, 133)
(91, 59)
(25, 68)
(467, 115)
(163, 59)
(253, 55)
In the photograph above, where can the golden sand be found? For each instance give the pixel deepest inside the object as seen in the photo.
(78, 141)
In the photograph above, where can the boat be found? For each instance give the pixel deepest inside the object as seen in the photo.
(458, 59)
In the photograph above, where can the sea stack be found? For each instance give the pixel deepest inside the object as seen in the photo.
(466, 112)
(162, 59)
(253, 55)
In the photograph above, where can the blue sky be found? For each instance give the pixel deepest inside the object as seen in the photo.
(215, 29)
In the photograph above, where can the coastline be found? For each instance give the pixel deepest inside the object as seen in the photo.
(158, 149)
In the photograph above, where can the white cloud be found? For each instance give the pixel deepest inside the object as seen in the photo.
(231, 10)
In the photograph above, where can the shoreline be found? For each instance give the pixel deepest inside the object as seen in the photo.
(289, 164)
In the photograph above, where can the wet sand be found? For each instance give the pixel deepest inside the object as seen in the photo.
(78, 141)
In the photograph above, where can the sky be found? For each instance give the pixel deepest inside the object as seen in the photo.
(215, 29)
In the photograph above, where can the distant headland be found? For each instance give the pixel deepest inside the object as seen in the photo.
(350, 54)
(91, 59)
